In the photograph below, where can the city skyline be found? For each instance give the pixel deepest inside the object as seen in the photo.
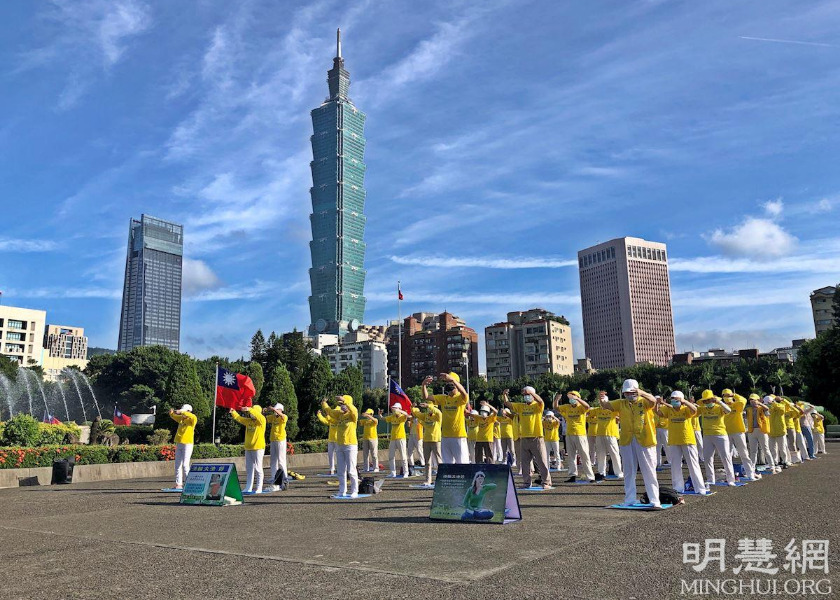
(492, 158)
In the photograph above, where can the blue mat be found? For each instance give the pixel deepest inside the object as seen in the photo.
(724, 484)
(400, 476)
(172, 490)
(535, 489)
(698, 494)
(557, 470)
(422, 486)
(326, 475)
(347, 497)
(612, 477)
(638, 507)
(584, 482)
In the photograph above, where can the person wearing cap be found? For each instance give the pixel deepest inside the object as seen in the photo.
(397, 420)
(576, 442)
(530, 412)
(431, 417)
(778, 430)
(485, 422)
(506, 436)
(791, 422)
(606, 439)
(370, 441)
(331, 437)
(806, 425)
(736, 431)
(682, 445)
(758, 427)
(184, 440)
(551, 434)
(819, 431)
(661, 437)
(276, 419)
(712, 410)
(453, 442)
(471, 420)
(254, 422)
(346, 417)
(415, 441)
(637, 440)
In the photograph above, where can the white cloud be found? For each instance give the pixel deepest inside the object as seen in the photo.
(244, 291)
(774, 207)
(198, 277)
(484, 262)
(532, 299)
(789, 264)
(755, 238)
(724, 297)
(17, 245)
(70, 292)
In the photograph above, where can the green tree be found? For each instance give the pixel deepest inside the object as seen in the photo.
(835, 304)
(707, 376)
(183, 387)
(818, 367)
(311, 389)
(350, 381)
(9, 368)
(279, 388)
(781, 378)
(258, 347)
(255, 371)
(754, 381)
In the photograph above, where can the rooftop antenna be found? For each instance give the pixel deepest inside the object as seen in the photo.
(338, 43)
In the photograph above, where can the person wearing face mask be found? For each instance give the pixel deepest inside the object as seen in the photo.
(370, 441)
(791, 419)
(415, 441)
(472, 431)
(637, 440)
(758, 429)
(453, 443)
(819, 432)
(397, 420)
(497, 441)
(661, 438)
(254, 423)
(276, 419)
(530, 412)
(430, 416)
(576, 442)
(591, 426)
(346, 417)
(506, 432)
(681, 442)
(778, 430)
(606, 439)
(712, 410)
(331, 435)
(551, 431)
(485, 421)
(735, 431)
(184, 439)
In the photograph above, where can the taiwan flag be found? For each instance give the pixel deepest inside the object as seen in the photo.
(50, 419)
(120, 418)
(234, 390)
(396, 394)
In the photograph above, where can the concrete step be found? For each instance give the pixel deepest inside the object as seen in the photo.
(832, 428)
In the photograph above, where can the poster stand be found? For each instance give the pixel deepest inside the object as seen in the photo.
(212, 485)
(475, 493)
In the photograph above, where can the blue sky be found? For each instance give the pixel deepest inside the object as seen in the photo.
(502, 137)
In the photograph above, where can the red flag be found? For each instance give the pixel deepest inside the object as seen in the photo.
(396, 394)
(234, 390)
(120, 418)
(399, 292)
(48, 418)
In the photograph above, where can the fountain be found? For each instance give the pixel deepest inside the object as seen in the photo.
(7, 388)
(69, 373)
(92, 395)
(22, 374)
(41, 389)
(63, 399)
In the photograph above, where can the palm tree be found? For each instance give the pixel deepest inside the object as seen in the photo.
(754, 380)
(683, 386)
(708, 377)
(781, 377)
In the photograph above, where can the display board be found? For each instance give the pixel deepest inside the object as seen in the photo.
(212, 485)
(475, 493)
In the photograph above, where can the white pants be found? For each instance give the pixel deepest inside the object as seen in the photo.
(331, 446)
(793, 452)
(593, 450)
(395, 446)
(698, 435)
(739, 441)
(760, 442)
(508, 446)
(471, 450)
(454, 451)
(370, 454)
(431, 452)
(497, 450)
(779, 450)
(183, 453)
(254, 470)
(607, 445)
(278, 459)
(635, 456)
(819, 443)
(661, 444)
(415, 446)
(802, 446)
(578, 445)
(719, 444)
(676, 454)
(346, 455)
(554, 447)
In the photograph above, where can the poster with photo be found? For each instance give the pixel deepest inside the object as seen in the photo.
(212, 485)
(475, 493)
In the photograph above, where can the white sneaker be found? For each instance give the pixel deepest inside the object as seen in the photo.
(353, 495)
(393, 473)
(731, 484)
(376, 470)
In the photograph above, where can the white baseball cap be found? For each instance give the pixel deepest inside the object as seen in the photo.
(629, 385)
(186, 408)
(530, 389)
(278, 406)
(549, 413)
(396, 405)
(677, 395)
(474, 413)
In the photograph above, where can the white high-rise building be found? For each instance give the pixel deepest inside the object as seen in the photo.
(368, 355)
(529, 343)
(22, 334)
(625, 295)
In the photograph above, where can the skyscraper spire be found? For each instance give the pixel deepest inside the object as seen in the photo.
(337, 77)
(338, 43)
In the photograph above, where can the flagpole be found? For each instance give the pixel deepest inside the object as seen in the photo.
(399, 336)
(215, 396)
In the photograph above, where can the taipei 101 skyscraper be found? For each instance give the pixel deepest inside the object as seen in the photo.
(337, 276)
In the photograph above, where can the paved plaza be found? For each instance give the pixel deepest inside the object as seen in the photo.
(126, 539)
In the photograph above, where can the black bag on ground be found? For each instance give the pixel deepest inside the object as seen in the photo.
(62, 471)
(281, 479)
(367, 486)
(667, 495)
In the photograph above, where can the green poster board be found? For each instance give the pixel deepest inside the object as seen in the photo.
(475, 493)
(212, 485)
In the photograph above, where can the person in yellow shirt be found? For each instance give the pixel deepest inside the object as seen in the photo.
(485, 423)
(661, 438)
(397, 420)
(819, 432)
(331, 424)
(530, 412)
(698, 433)
(430, 416)
(591, 426)
(682, 445)
(276, 418)
(778, 430)
(415, 441)
(184, 440)
(254, 422)
(497, 441)
(471, 421)
(346, 418)
(606, 439)
(637, 440)
(453, 442)
(758, 427)
(576, 442)
(791, 420)
(712, 410)
(736, 431)
(799, 426)
(551, 431)
(370, 441)
(506, 434)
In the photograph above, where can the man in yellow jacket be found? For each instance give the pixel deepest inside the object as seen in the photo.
(637, 440)
(661, 437)
(370, 441)
(606, 439)
(530, 412)
(254, 422)
(681, 442)
(736, 431)
(331, 435)
(551, 435)
(415, 441)
(485, 422)
(577, 443)
(712, 410)
(758, 428)
(184, 440)
(346, 418)
(276, 419)
(430, 416)
(778, 430)
(397, 420)
(506, 434)
(453, 442)
(819, 432)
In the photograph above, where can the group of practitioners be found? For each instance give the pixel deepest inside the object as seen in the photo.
(636, 432)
